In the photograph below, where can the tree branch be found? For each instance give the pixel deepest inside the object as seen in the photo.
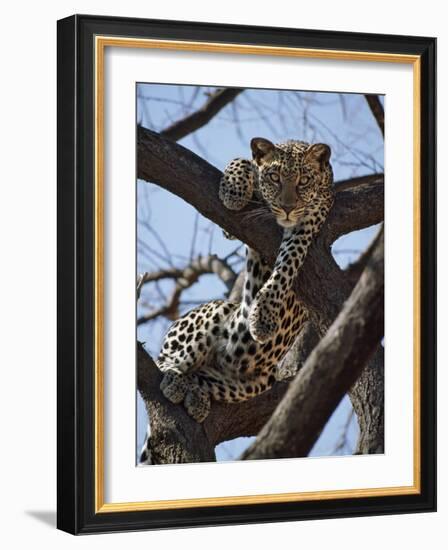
(169, 445)
(377, 109)
(329, 372)
(350, 184)
(202, 116)
(185, 277)
(196, 181)
(367, 397)
(226, 420)
(353, 271)
(356, 208)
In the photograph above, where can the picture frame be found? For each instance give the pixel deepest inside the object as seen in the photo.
(82, 238)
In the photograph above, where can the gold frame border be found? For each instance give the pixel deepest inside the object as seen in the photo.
(101, 42)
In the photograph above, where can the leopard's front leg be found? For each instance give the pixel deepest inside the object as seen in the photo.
(237, 184)
(265, 312)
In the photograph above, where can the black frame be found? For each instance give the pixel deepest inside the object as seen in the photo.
(75, 474)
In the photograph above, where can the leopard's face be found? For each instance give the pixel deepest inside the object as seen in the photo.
(292, 177)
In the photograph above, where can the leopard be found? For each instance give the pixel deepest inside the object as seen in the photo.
(230, 351)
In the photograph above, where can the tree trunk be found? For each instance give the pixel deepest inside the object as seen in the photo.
(331, 369)
(367, 397)
(175, 437)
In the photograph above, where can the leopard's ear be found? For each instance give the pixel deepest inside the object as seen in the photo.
(319, 153)
(262, 150)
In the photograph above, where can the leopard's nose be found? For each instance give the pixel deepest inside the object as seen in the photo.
(288, 208)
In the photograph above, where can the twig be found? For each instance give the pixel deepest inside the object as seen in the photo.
(343, 439)
(377, 109)
(202, 116)
(195, 233)
(185, 278)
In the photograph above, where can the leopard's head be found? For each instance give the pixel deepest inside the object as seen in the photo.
(292, 177)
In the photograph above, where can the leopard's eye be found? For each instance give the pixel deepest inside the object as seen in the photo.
(304, 180)
(274, 177)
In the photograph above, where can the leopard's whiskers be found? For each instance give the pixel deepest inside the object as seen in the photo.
(256, 210)
(255, 201)
(256, 213)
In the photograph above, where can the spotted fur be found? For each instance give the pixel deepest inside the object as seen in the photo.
(230, 351)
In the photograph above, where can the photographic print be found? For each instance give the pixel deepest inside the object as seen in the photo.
(238, 354)
(246, 274)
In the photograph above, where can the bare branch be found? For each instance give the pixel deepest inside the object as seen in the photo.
(151, 276)
(377, 109)
(202, 116)
(343, 441)
(185, 278)
(329, 372)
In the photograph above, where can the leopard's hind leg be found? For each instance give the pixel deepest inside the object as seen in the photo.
(186, 348)
(185, 388)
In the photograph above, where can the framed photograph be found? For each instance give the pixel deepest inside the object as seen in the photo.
(246, 274)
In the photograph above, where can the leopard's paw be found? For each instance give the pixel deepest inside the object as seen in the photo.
(237, 184)
(174, 386)
(261, 323)
(197, 403)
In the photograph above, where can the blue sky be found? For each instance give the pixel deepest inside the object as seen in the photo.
(170, 231)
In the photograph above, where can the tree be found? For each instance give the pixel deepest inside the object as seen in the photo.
(340, 351)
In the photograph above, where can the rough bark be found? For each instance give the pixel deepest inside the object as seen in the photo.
(169, 444)
(321, 284)
(367, 397)
(299, 352)
(329, 372)
(354, 270)
(175, 437)
(325, 287)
